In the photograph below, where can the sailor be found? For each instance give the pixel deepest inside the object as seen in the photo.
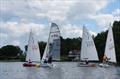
(50, 59)
(105, 59)
(86, 61)
(29, 61)
(45, 61)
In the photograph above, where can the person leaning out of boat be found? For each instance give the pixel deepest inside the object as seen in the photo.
(45, 61)
(50, 53)
(105, 59)
(86, 61)
(50, 58)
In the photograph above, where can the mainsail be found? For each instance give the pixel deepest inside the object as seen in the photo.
(33, 53)
(88, 50)
(110, 48)
(53, 44)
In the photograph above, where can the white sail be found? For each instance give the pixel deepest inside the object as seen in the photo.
(33, 53)
(53, 44)
(45, 54)
(88, 50)
(110, 48)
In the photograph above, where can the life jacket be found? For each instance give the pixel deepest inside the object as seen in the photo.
(105, 58)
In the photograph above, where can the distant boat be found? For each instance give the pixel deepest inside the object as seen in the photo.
(33, 54)
(109, 54)
(88, 50)
(52, 49)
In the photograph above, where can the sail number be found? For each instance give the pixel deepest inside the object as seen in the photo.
(89, 43)
(111, 46)
(34, 47)
(54, 35)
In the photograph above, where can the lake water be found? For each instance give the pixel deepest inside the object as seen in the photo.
(62, 70)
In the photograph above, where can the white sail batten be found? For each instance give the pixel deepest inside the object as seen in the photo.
(88, 49)
(110, 48)
(53, 44)
(33, 53)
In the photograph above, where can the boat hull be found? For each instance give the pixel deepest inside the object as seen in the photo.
(30, 65)
(103, 65)
(81, 64)
(46, 65)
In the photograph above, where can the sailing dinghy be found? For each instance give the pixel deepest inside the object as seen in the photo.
(33, 53)
(88, 50)
(52, 50)
(109, 55)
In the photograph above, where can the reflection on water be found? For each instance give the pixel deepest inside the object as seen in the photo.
(62, 70)
(31, 73)
(55, 73)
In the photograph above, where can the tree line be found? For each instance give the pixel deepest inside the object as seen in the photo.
(11, 52)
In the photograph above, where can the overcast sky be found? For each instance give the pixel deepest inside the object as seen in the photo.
(17, 17)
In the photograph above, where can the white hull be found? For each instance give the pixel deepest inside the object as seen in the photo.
(46, 65)
(83, 64)
(104, 65)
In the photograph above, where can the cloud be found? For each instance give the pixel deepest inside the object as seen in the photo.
(17, 43)
(18, 33)
(73, 31)
(66, 10)
(55, 10)
(83, 9)
(3, 35)
(19, 16)
(17, 29)
(104, 20)
(116, 12)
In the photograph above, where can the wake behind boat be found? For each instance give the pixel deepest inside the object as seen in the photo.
(33, 53)
(52, 49)
(88, 50)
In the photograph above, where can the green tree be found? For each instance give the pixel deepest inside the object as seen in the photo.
(10, 52)
(42, 46)
(116, 32)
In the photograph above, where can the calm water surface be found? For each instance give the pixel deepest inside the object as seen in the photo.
(62, 70)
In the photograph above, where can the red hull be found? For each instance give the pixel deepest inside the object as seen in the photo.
(29, 65)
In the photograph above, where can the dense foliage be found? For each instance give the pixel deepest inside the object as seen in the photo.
(10, 52)
(116, 32)
(42, 47)
(70, 44)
